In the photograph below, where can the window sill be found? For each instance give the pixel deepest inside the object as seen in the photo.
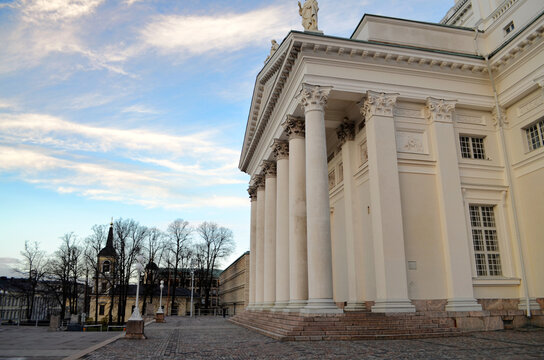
(498, 281)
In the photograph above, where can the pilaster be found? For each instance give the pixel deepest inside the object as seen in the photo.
(385, 205)
(455, 240)
(313, 99)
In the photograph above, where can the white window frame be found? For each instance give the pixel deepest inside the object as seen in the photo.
(495, 197)
(539, 124)
(486, 265)
(471, 141)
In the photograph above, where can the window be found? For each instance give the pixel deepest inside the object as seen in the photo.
(101, 309)
(535, 135)
(484, 238)
(509, 28)
(106, 267)
(472, 147)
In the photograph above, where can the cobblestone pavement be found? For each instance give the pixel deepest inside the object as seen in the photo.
(28, 342)
(216, 338)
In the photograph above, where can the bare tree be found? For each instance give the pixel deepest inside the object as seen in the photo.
(93, 244)
(153, 243)
(33, 266)
(129, 239)
(179, 234)
(63, 269)
(217, 243)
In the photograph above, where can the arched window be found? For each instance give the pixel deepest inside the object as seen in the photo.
(106, 267)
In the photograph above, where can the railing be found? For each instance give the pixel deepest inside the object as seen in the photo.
(92, 326)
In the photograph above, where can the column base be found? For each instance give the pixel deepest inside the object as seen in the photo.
(355, 306)
(533, 305)
(279, 306)
(267, 305)
(463, 304)
(393, 306)
(295, 305)
(321, 306)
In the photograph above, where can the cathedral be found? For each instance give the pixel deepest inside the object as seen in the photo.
(399, 173)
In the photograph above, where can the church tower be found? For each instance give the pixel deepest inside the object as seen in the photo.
(106, 260)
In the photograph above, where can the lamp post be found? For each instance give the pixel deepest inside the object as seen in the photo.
(192, 287)
(160, 313)
(135, 324)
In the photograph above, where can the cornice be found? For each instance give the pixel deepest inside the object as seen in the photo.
(258, 120)
(524, 41)
(456, 12)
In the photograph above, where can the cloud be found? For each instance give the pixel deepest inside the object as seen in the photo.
(9, 266)
(135, 166)
(6, 104)
(56, 10)
(189, 35)
(139, 109)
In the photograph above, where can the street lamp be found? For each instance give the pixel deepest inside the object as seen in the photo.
(139, 266)
(159, 316)
(160, 299)
(192, 287)
(135, 325)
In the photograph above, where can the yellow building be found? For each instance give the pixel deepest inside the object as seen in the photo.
(234, 285)
(183, 302)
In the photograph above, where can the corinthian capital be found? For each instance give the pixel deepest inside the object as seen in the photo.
(499, 118)
(258, 182)
(380, 104)
(439, 109)
(345, 132)
(281, 149)
(252, 191)
(269, 168)
(314, 97)
(294, 126)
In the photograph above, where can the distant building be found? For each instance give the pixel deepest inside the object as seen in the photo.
(14, 301)
(183, 303)
(234, 285)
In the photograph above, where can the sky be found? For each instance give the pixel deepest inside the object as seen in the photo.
(137, 109)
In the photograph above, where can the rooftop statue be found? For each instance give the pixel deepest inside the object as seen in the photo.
(273, 49)
(308, 11)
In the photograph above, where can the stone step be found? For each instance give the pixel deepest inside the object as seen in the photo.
(286, 326)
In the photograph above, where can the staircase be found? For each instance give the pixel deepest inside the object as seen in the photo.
(346, 326)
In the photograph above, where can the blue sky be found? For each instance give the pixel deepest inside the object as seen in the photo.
(137, 108)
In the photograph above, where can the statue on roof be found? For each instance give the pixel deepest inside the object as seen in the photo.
(308, 11)
(273, 49)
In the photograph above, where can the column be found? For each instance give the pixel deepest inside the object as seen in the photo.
(346, 135)
(252, 190)
(269, 169)
(385, 205)
(320, 293)
(259, 246)
(281, 154)
(452, 212)
(298, 256)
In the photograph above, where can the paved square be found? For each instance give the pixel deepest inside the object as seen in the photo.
(28, 342)
(216, 338)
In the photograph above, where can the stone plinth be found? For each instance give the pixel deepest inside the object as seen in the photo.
(159, 317)
(54, 323)
(135, 329)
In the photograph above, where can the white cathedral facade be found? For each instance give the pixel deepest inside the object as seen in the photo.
(401, 169)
